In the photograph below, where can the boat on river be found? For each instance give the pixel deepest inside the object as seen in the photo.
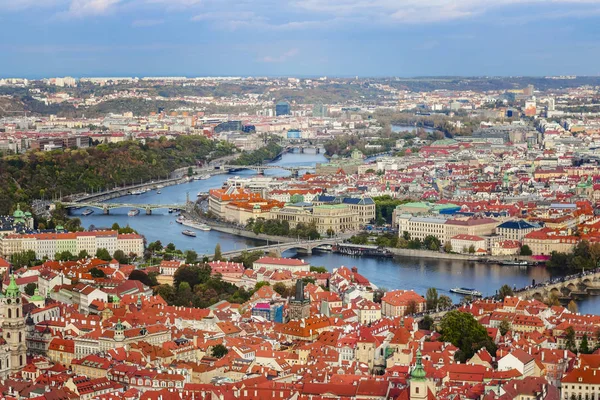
(87, 212)
(189, 233)
(133, 212)
(466, 292)
(518, 263)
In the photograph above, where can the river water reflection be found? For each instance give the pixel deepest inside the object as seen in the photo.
(399, 273)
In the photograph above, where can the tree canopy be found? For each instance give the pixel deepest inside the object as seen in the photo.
(466, 333)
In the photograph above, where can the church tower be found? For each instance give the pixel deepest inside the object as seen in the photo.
(13, 326)
(418, 380)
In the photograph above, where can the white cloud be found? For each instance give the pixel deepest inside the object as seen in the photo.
(85, 8)
(280, 58)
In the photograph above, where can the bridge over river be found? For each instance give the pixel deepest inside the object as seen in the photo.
(302, 246)
(572, 286)
(106, 207)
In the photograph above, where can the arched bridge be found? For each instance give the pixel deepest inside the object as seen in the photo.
(305, 246)
(587, 283)
(106, 207)
(262, 168)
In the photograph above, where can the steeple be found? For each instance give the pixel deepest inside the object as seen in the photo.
(418, 373)
(12, 290)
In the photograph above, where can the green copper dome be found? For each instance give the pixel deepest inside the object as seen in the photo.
(36, 296)
(418, 373)
(12, 290)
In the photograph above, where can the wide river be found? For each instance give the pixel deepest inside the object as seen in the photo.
(398, 273)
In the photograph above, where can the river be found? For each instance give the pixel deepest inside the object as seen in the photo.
(399, 273)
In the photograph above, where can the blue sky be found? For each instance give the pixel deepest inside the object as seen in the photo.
(40, 38)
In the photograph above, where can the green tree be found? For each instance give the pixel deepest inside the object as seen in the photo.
(281, 289)
(184, 295)
(471, 249)
(570, 343)
(167, 292)
(504, 327)
(219, 351)
(411, 307)
(190, 256)
(30, 288)
(139, 275)
(552, 300)
(155, 246)
(23, 259)
(432, 298)
(426, 323)
(466, 333)
(330, 232)
(584, 346)
(432, 243)
(406, 235)
(447, 247)
(83, 254)
(505, 291)
(444, 302)
(378, 294)
(103, 254)
(192, 275)
(526, 250)
(248, 258)
(97, 273)
(218, 256)
(170, 247)
(115, 227)
(320, 270)
(120, 256)
(64, 256)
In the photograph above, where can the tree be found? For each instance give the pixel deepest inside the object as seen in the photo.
(247, 258)
(411, 308)
(570, 339)
(139, 275)
(378, 294)
(190, 256)
(447, 247)
(23, 259)
(330, 232)
(281, 289)
(320, 270)
(155, 246)
(103, 254)
(426, 323)
(444, 302)
(97, 273)
(218, 256)
(505, 291)
(170, 247)
(552, 300)
(30, 288)
(432, 298)
(471, 249)
(184, 295)
(466, 333)
(120, 256)
(584, 346)
(115, 227)
(526, 250)
(406, 235)
(83, 254)
(219, 351)
(192, 274)
(504, 327)
(432, 243)
(63, 256)
(572, 306)
(167, 292)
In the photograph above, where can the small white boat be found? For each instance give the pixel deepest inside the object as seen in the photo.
(203, 227)
(87, 212)
(138, 192)
(466, 292)
(190, 233)
(158, 192)
(133, 212)
(205, 176)
(180, 220)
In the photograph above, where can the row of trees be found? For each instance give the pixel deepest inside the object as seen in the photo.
(584, 256)
(282, 228)
(268, 152)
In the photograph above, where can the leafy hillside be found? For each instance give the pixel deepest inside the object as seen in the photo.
(46, 174)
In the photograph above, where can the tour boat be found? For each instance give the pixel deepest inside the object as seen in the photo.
(133, 212)
(158, 192)
(187, 232)
(203, 227)
(138, 192)
(170, 211)
(87, 212)
(180, 220)
(206, 176)
(515, 263)
(466, 292)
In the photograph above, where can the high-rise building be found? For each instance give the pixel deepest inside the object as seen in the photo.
(282, 108)
(320, 110)
(528, 91)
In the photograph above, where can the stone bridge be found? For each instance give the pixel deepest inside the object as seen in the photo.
(584, 284)
(106, 207)
(303, 246)
(262, 168)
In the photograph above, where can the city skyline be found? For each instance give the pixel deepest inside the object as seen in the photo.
(265, 38)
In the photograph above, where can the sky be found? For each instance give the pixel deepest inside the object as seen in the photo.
(45, 38)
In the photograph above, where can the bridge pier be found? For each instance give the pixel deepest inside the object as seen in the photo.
(304, 252)
(318, 150)
(148, 211)
(105, 210)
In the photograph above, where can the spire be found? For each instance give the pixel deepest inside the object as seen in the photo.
(418, 373)
(12, 290)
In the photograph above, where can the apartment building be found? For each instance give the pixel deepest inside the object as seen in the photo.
(48, 244)
(444, 229)
(328, 217)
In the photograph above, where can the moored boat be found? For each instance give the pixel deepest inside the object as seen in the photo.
(188, 232)
(466, 292)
